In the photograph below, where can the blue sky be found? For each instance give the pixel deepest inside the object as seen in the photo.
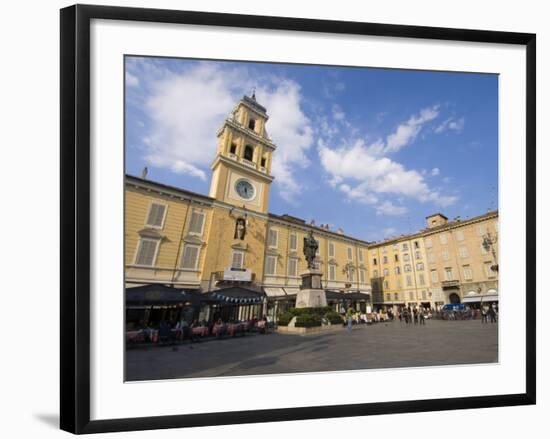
(373, 151)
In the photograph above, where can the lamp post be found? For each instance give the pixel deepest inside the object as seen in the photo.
(488, 244)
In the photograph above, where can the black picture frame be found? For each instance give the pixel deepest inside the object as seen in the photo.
(75, 217)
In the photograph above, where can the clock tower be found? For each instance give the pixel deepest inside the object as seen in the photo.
(241, 171)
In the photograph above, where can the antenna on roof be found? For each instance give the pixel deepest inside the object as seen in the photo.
(254, 93)
(144, 173)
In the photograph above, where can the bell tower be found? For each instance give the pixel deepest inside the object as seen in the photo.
(241, 170)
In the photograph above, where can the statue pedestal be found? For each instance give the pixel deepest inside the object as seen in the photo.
(311, 293)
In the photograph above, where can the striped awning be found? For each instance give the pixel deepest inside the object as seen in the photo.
(274, 292)
(480, 298)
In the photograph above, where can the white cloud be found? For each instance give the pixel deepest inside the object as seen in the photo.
(187, 108)
(388, 208)
(389, 231)
(364, 174)
(435, 172)
(337, 113)
(131, 80)
(406, 132)
(451, 123)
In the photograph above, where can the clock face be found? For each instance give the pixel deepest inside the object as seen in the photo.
(245, 189)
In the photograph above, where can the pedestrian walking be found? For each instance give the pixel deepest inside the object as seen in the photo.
(349, 316)
(483, 315)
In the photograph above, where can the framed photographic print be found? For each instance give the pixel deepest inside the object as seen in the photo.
(268, 218)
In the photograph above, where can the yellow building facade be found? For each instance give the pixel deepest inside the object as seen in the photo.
(228, 237)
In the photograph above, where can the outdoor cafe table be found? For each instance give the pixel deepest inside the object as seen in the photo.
(200, 330)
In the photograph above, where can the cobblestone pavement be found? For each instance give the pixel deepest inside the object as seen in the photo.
(383, 345)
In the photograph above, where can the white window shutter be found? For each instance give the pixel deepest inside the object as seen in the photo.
(146, 253)
(156, 215)
(190, 257)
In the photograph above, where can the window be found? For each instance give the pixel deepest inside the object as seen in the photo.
(409, 280)
(350, 275)
(443, 238)
(418, 255)
(397, 270)
(237, 259)
(147, 250)
(463, 252)
(155, 217)
(405, 247)
(331, 249)
(421, 279)
(350, 253)
(411, 295)
(252, 124)
(459, 235)
(428, 242)
(233, 148)
(420, 266)
(272, 238)
(360, 255)
(398, 283)
(467, 272)
(374, 261)
(489, 269)
(362, 275)
(481, 230)
(395, 296)
(396, 258)
(431, 258)
(386, 285)
(406, 257)
(416, 244)
(407, 268)
(270, 265)
(293, 241)
(423, 294)
(385, 260)
(332, 272)
(248, 153)
(445, 255)
(435, 277)
(196, 223)
(375, 273)
(394, 247)
(293, 267)
(386, 272)
(190, 257)
(263, 162)
(449, 273)
(388, 297)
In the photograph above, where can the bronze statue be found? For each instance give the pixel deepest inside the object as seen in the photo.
(240, 228)
(310, 249)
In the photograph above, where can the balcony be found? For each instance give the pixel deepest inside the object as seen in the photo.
(248, 163)
(450, 283)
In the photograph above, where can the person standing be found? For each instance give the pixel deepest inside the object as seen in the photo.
(349, 316)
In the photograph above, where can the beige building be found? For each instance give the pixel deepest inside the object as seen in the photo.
(193, 241)
(447, 262)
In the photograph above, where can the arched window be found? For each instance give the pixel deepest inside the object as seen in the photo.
(248, 153)
(252, 124)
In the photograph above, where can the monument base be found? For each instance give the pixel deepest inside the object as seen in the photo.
(311, 298)
(311, 293)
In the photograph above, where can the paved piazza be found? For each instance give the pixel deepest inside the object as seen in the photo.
(383, 345)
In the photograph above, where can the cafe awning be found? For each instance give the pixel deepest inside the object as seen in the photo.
(273, 292)
(157, 294)
(237, 296)
(480, 298)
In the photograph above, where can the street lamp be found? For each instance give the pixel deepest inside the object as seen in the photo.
(488, 244)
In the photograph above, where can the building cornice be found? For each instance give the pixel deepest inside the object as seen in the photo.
(248, 133)
(239, 166)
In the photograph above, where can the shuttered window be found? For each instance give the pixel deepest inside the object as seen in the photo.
(293, 241)
(146, 252)
(350, 253)
(237, 260)
(270, 264)
(272, 238)
(331, 249)
(332, 272)
(190, 257)
(196, 223)
(435, 277)
(362, 275)
(293, 267)
(155, 218)
(361, 255)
